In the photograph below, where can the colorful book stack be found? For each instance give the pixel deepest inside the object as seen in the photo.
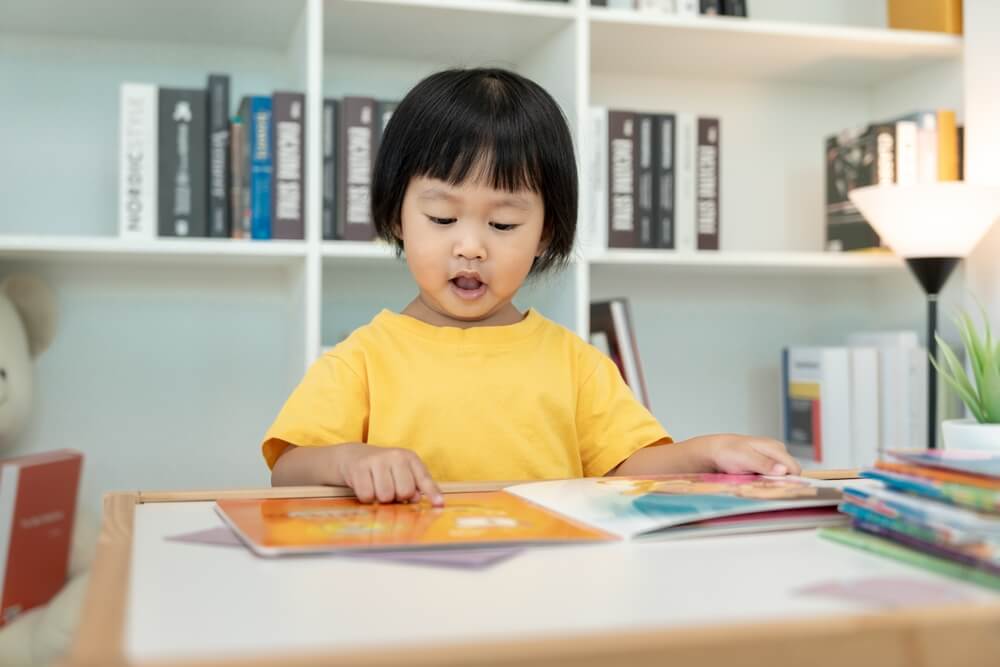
(936, 509)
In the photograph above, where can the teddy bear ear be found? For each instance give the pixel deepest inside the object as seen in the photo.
(36, 304)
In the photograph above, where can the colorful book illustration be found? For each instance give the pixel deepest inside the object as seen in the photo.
(549, 512)
(984, 500)
(631, 507)
(972, 462)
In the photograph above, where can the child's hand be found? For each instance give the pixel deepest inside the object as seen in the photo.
(742, 454)
(386, 474)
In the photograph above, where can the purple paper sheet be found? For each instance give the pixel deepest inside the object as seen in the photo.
(470, 559)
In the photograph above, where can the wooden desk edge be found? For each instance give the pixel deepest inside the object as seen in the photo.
(952, 635)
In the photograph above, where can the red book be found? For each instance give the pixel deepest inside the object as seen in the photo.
(37, 508)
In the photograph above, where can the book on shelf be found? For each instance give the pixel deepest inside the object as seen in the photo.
(357, 136)
(256, 112)
(932, 15)
(219, 188)
(137, 159)
(183, 162)
(918, 147)
(612, 332)
(938, 509)
(38, 494)
(331, 115)
(239, 201)
(655, 180)
(588, 510)
(830, 404)
(288, 174)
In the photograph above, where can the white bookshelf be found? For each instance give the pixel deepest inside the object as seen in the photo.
(174, 355)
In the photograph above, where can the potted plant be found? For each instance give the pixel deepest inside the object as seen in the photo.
(979, 389)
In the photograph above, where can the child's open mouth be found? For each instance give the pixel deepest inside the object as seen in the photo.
(468, 287)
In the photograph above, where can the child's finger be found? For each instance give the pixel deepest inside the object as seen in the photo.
(361, 482)
(402, 477)
(425, 483)
(751, 460)
(385, 487)
(781, 457)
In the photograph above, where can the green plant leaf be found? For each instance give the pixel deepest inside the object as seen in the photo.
(989, 391)
(954, 374)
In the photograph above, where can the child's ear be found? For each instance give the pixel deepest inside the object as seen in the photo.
(543, 243)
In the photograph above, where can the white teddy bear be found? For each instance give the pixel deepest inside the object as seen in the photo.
(27, 325)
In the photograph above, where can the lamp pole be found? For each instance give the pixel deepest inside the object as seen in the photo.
(932, 273)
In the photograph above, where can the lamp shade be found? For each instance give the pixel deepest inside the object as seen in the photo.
(944, 219)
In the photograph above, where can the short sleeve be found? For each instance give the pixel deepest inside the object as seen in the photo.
(611, 424)
(329, 407)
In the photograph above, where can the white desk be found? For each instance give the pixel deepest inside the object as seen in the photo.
(197, 603)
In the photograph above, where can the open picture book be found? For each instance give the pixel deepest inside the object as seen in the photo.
(538, 513)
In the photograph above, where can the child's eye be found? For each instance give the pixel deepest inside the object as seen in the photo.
(440, 221)
(501, 227)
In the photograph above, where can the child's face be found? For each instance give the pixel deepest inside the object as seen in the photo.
(470, 247)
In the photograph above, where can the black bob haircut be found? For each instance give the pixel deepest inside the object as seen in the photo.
(488, 121)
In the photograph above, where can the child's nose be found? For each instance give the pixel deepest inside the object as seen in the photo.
(469, 245)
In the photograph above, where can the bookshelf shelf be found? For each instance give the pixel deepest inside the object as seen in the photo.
(192, 251)
(756, 262)
(357, 250)
(442, 31)
(720, 47)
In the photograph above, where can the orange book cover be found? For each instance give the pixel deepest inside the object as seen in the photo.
(37, 509)
(314, 525)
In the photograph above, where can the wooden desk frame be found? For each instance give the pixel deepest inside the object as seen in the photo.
(950, 636)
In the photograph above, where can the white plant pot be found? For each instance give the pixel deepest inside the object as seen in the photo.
(970, 434)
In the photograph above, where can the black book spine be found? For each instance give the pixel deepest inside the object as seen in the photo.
(357, 139)
(708, 184)
(711, 7)
(622, 231)
(219, 156)
(331, 108)
(183, 168)
(664, 176)
(734, 8)
(288, 182)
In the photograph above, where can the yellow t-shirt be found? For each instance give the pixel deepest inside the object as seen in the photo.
(529, 400)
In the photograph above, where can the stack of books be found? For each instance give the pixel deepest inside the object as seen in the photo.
(936, 509)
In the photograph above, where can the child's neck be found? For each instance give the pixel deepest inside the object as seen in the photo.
(421, 310)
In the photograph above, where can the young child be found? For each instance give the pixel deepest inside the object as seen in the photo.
(475, 183)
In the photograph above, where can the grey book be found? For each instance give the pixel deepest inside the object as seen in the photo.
(331, 110)
(183, 172)
(664, 175)
(357, 136)
(218, 156)
(622, 231)
(288, 174)
(707, 191)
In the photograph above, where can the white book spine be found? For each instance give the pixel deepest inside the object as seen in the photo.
(598, 232)
(916, 426)
(835, 402)
(907, 169)
(865, 397)
(927, 147)
(687, 8)
(685, 232)
(137, 163)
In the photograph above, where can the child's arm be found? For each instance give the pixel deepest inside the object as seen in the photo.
(385, 474)
(725, 452)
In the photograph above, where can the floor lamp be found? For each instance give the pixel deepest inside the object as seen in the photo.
(932, 226)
